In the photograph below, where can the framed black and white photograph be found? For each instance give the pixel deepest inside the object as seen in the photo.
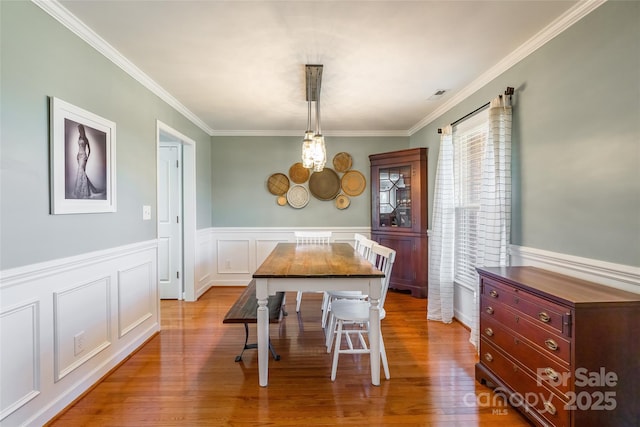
(83, 161)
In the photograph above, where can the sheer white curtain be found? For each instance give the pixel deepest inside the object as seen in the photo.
(494, 217)
(441, 238)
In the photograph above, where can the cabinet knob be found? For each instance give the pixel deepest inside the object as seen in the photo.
(489, 310)
(488, 357)
(544, 317)
(550, 408)
(494, 293)
(551, 344)
(551, 374)
(488, 332)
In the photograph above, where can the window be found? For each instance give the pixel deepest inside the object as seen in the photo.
(469, 138)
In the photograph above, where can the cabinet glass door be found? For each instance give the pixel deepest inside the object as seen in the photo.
(395, 196)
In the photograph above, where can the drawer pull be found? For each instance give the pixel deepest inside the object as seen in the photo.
(489, 310)
(544, 317)
(551, 344)
(488, 332)
(550, 408)
(494, 293)
(488, 357)
(553, 375)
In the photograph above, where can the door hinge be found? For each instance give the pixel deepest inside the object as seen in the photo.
(177, 163)
(177, 220)
(177, 274)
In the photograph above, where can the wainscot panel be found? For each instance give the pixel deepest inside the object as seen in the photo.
(204, 261)
(66, 323)
(237, 252)
(19, 332)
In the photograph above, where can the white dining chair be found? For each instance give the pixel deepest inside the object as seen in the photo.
(351, 317)
(357, 238)
(363, 247)
(311, 238)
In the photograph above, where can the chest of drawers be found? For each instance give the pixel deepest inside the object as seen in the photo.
(562, 350)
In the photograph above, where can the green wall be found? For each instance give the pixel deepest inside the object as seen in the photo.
(576, 138)
(242, 165)
(576, 146)
(40, 59)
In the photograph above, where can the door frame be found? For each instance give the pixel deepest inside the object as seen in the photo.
(188, 205)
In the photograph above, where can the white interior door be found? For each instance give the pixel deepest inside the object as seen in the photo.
(170, 221)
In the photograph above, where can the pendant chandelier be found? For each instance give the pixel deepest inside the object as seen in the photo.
(314, 153)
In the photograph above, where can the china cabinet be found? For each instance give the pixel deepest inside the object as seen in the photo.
(399, 214)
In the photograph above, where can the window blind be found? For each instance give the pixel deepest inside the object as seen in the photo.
(469, 139)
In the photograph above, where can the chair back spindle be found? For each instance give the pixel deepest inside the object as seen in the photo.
(313, 237)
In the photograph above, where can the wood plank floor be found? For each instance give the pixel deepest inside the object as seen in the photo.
(186, 375)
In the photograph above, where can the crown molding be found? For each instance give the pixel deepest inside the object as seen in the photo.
(70, 21)
(335, 133)
(563, 22)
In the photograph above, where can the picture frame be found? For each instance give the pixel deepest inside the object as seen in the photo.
(83, 160)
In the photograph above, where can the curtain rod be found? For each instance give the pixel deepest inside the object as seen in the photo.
(509, 92)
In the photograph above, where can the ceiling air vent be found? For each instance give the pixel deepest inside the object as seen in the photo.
(437, 95)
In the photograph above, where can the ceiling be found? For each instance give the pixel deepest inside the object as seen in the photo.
(237, 67)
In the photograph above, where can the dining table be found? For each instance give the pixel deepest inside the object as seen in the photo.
(316, 267)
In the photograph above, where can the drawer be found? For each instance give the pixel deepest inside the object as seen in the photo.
(543, 312)
(530, 392)
(547, 341)
(554, 373)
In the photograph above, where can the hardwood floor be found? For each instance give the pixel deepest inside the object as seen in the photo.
(186, 375)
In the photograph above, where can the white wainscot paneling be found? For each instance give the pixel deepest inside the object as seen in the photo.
(81, 324)
(204, 259)
(65, 323)
(618, 276)
(264, 248)
(136, 297)
(463, 305)
(233, 256)
(19, 367)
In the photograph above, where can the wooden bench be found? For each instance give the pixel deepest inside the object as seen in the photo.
(245, 311)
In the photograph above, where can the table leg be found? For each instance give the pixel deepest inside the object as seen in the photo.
(374, 340)
(263, 333)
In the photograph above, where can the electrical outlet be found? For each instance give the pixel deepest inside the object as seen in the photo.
(78, 343)
(146, 212)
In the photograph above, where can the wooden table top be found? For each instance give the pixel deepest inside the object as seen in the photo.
(335, 260)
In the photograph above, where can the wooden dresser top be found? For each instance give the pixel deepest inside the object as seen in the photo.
(559, 287)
